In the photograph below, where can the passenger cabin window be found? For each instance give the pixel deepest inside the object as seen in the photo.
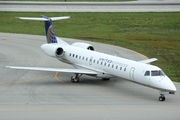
(147, 73)
(83, 58)
(70, 54)
(79, 57)
(76, 56)
(94, 61)
(73, 55)
(120, 68)
(157, 73)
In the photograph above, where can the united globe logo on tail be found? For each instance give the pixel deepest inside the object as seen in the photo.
(51, 36)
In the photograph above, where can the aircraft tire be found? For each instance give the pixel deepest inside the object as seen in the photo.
(74, 80)
(162, 98)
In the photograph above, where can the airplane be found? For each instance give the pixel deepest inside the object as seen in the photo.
(87, 61)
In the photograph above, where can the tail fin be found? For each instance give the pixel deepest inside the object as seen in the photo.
(50, 33)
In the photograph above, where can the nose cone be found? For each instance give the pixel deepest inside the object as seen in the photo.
(173, 87)
(164, 83)
(169, 85)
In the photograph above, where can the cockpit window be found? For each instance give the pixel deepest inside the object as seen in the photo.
(157, 73)
(147, 73)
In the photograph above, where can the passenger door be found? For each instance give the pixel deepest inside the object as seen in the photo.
(131, 74)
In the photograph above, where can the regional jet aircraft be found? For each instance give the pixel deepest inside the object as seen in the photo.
(89, 62)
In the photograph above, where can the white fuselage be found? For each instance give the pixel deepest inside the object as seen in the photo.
(108, 66)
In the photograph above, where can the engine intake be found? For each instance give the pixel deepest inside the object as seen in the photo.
(90, 48)
(59, 52)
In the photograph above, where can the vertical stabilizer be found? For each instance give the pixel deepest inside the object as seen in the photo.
(50, 33)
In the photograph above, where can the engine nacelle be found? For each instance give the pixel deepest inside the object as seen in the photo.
(53, 50)
(83, 45)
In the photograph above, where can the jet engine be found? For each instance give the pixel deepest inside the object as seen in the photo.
(53, 50)
(83, 45)
(59, 52)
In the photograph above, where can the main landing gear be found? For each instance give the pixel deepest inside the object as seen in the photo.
(75, 78)
(162, 97)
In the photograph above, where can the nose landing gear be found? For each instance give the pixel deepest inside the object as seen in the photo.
(162, 97)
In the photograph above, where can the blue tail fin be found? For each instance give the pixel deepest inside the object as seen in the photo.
(50, 33)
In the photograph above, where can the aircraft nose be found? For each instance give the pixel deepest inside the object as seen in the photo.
(172, 86)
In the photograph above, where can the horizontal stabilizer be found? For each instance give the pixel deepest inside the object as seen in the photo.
(59, 18)
(28, 18)
(80, 71)
(148, 60)
(44, 19)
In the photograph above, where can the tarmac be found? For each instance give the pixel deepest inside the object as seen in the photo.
(35, 95)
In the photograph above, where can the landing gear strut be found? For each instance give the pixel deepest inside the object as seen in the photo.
(162, 97)
(75, 78)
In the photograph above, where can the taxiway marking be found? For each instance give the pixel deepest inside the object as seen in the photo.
(6, 39)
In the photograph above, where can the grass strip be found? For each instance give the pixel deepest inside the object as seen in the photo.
(156, 35)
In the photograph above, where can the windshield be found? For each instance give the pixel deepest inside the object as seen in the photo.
(157, 73)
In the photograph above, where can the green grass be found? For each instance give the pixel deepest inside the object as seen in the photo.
(156, 35)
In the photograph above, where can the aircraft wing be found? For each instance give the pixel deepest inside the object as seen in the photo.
(148, 60)
(80, 71)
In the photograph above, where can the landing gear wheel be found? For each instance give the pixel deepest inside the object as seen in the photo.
(75, 78)
(162, 98)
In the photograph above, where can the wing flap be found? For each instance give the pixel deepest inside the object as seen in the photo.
(81, 71)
